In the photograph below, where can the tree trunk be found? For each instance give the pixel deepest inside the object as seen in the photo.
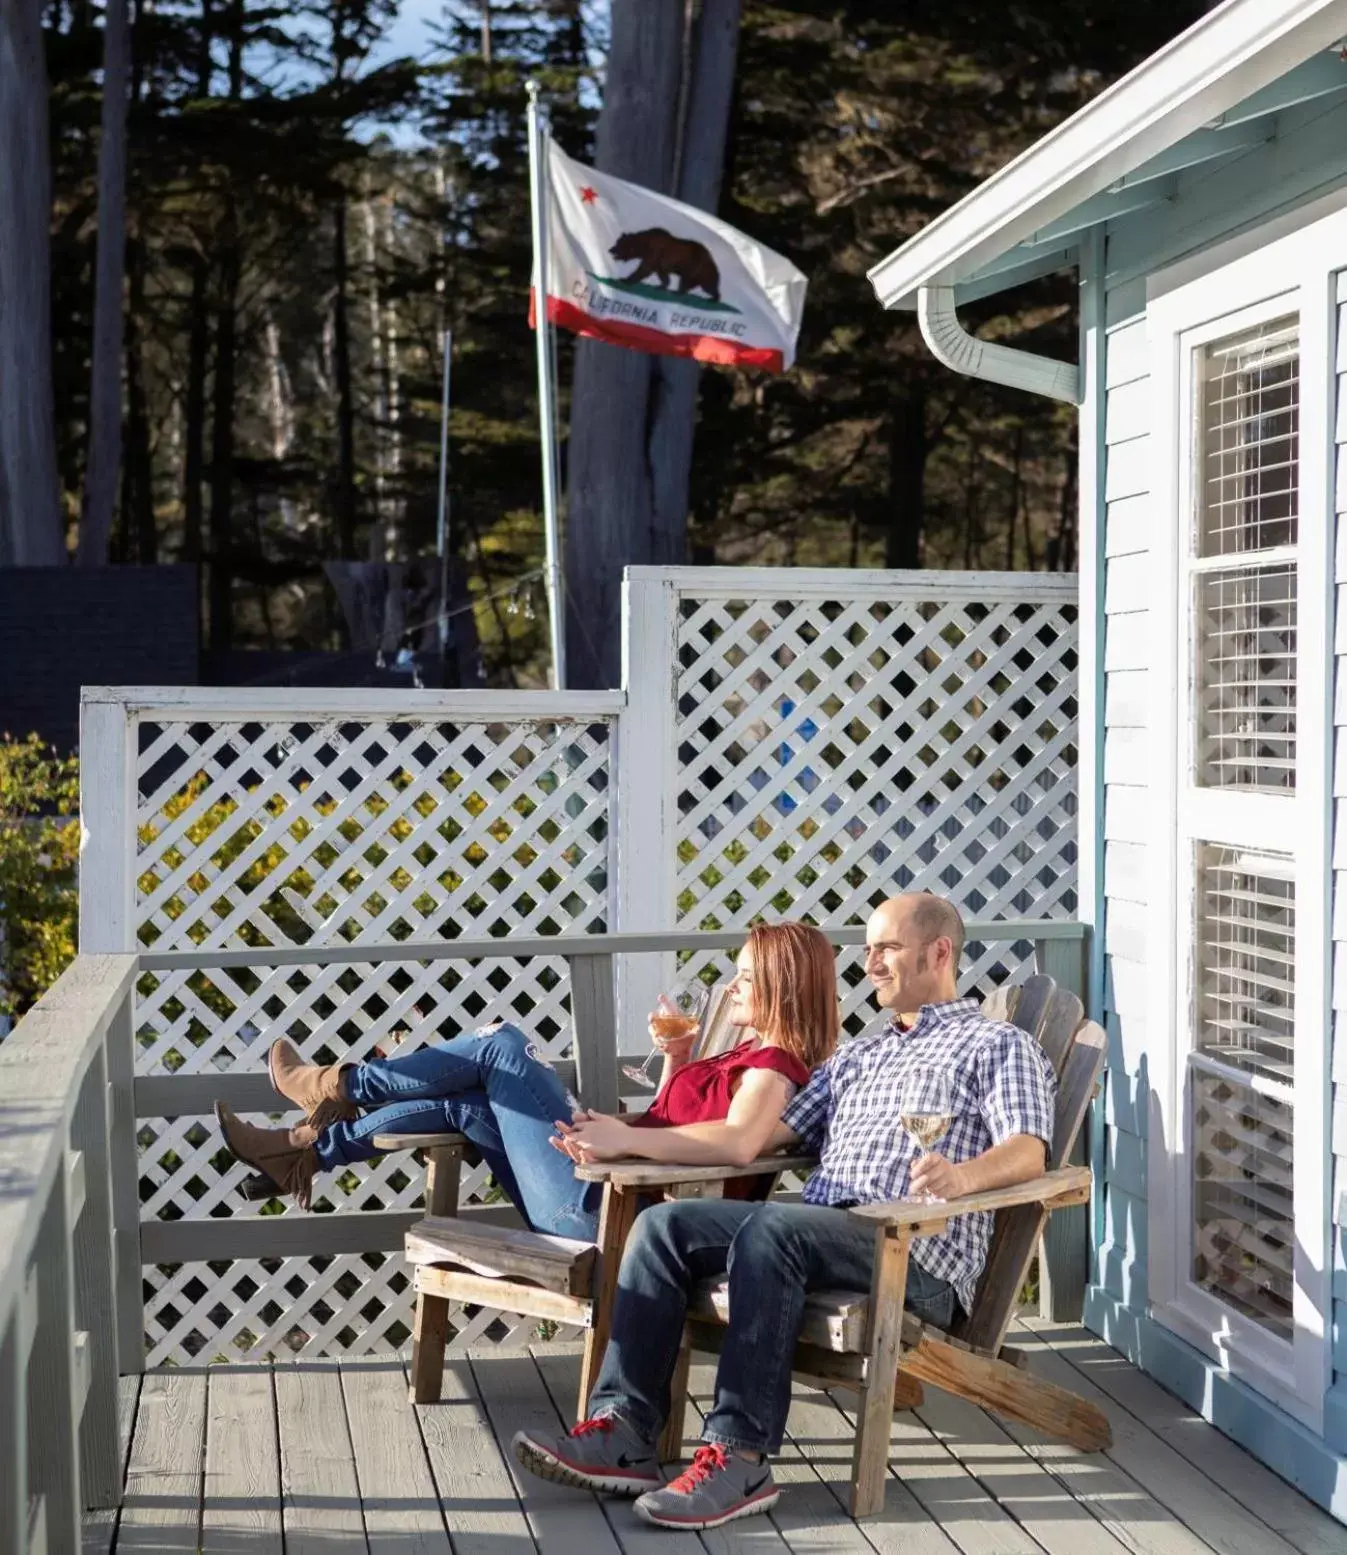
(105, 384)
(632, 414)
(226, 372)
(908, 449)
(31, 527)
(139, 517)
(341, 351)
(198, 350)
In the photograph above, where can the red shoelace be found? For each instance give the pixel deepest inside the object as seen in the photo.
(588, 1427)
(706, 1461)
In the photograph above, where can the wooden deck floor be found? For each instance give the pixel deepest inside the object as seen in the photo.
(328, 1458)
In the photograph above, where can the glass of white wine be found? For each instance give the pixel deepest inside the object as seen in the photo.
(676, 1015)
(926, 1111)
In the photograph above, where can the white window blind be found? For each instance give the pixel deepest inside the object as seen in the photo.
(1244, 606)
(1248, 443)
(1241, 1074)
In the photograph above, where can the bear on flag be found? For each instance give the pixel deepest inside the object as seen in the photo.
(640, 270)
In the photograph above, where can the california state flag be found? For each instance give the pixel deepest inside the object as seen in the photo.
(641, 270)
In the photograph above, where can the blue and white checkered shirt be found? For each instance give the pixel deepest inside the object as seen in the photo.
(1001, 1085)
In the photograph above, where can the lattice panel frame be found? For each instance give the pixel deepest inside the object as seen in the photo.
(802, 720)
(284, 832)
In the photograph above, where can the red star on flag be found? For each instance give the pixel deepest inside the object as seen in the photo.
(588, 196)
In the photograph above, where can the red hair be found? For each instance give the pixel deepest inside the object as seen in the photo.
(795, 989)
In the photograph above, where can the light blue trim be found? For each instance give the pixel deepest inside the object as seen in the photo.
(1092, 525)
(1316, 1468)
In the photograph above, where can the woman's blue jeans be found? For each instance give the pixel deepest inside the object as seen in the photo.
(496, 1088)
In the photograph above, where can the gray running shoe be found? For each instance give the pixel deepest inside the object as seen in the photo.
(718, 1487)
(599, 1454)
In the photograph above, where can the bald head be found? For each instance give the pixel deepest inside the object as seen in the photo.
(912, 948)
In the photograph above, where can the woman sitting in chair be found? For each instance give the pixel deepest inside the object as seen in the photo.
(497, 1089)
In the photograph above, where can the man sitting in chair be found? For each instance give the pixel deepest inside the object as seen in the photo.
(937, 1054)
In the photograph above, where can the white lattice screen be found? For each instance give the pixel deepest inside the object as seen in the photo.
(282, 832)
(867, 735)
(805, 750)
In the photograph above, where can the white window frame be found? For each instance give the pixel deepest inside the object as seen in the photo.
(1201, 300)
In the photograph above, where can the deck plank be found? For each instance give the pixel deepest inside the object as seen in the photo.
(98, 1528)
(162, 1509)
(473, 1482)
(1281, 1506)
(241, 1500)
(1040, 1504)
(973, 1520)
(562, 1521)
(1198, 1502)
(402, 1511)
(320, 1494)
(1131, 1514)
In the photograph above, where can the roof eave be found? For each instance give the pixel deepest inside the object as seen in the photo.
(1201, 74)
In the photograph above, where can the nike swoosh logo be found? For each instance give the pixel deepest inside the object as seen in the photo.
(753, 1489)
(624, 1462)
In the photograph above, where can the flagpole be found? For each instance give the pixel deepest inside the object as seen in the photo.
(538, 194)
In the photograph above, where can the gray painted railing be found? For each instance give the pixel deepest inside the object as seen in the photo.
(71, 1241)
(70, 1276)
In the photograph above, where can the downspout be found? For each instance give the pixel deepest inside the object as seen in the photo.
(951, 344)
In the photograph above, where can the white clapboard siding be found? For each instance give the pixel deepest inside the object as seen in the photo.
(1340, 833)
(1128, 527)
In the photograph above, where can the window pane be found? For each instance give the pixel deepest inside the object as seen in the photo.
(1248, 400)
(1245, 960)
(1243, 1214)
(1243, 1209)
(1245, 630)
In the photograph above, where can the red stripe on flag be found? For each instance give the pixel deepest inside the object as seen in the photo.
(637, 337)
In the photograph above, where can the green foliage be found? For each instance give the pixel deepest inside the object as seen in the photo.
(39, 861)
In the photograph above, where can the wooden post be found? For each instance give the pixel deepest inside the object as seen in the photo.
(108, 825)
(1064, 1248)
(95, 1295)
(647, 799)
(615, 1221)
(670, 1448)
(595, 1032)
(883, 1345)
(444, 1165)
(13, 1433)
(124, 1174)
(53, 1400)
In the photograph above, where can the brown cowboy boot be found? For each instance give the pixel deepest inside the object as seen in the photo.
(284, 1156)
(317, 1088)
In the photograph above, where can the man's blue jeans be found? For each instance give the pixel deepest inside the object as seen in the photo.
(495, 1088)
(773, 1254)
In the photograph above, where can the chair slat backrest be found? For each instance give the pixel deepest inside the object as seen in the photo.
(1076, 1052)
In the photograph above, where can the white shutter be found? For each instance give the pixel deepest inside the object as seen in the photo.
(1241, 1077)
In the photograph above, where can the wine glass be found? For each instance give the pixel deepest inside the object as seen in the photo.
(926, 1110)
(675, 1015)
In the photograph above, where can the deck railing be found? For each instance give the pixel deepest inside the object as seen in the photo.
(71, 1240)
(69, 1253)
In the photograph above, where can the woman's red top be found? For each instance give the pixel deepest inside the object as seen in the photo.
(701, 1092)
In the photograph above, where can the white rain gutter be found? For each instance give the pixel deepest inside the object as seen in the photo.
(951, 344)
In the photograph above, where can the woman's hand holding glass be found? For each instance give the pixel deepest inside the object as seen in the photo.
(674, 1025)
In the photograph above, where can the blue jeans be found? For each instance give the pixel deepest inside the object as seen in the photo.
(773, 1254)
(497, 1089)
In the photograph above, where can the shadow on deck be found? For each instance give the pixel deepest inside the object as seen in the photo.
(328, 1458)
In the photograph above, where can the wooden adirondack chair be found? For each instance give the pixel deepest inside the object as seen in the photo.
(520, 1271)
(867, 1341)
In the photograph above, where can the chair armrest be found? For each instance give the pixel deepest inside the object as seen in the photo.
(386, 1142)
(636, 1173)
(1054, 1190)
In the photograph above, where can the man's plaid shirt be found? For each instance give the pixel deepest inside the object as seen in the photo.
(1001, 1085)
